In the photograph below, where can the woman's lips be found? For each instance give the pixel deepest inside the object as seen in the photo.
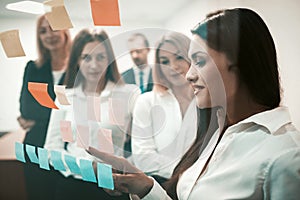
(197, 88)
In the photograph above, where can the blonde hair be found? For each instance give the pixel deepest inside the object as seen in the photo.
(44, 55)
(182, 43)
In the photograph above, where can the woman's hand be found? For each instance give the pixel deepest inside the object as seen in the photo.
(127, 178)
(26, 124)
(133, 183)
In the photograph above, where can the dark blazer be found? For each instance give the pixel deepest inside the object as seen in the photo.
(30, 108)
(128, 77)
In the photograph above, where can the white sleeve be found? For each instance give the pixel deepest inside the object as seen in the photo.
(144, 151)
(157, 192)
(53, 139)
(283, 176)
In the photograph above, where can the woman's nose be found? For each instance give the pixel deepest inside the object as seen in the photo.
(191, 76)
(93, 63)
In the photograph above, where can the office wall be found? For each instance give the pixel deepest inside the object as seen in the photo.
(11, 69)
(282, 17)
(283, 20)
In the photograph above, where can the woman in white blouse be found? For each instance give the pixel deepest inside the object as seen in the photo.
(255, 152)
(94, 87)
(164, 120)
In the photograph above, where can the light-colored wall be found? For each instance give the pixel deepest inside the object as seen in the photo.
(283, 20)
(282, 17)
(11, 69)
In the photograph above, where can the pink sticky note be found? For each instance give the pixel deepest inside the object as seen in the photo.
(61, 94)
(105, 142)
(82, 137)
(116, 111)
(66, 131)
(94, 108)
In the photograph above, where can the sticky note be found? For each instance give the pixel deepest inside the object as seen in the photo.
(116, 161)
(19, 152)
(105, 12)
(71, 162)
(61, 94)
(93, 108)
(66, 131)
(11, 43)
(40, 93)
(31, 153)
(57, 15)
(82, 137)
(43, 158)
(87, 171)
(104, 174)
(105, 142)
(116, 111)
(56, 160)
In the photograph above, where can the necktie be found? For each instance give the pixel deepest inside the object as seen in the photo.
(141, 81)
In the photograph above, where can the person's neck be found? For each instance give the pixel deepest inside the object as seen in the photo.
(143, 66)
(59, 60)
(90, 90)
(241, 108)
(184, 95)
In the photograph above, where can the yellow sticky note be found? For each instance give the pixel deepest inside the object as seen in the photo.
(61, 94)
(57, 15)
(11, 43)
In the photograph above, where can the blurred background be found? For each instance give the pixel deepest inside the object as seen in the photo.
(282, 17)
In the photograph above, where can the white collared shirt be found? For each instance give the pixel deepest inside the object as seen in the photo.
(146, 74)
(160, 136)
(241, 164)
(78, 115)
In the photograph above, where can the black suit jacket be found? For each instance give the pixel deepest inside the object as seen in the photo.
(30, 108)
(128, 77)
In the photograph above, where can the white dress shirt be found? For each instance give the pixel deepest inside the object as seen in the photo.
(77, 114)
(160, 136)
(246, 163)
(146, 73)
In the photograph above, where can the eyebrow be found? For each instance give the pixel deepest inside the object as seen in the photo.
(198, 52)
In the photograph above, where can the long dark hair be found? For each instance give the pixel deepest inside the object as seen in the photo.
(82, 38)
(246, 41)
(207, 125)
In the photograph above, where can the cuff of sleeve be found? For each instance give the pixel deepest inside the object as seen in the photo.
(157, 192)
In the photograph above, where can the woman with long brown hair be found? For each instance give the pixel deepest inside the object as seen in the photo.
(234, 69)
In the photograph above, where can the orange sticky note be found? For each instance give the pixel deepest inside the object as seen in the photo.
(94, 108)
(105, 142)
(40, 93)
(116, 111)
(61, 94)
(57, 16)
(82, 137)
(11, 43)
(105, 12)
(66, 131)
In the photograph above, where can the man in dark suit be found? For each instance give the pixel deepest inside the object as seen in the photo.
(141, 73)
